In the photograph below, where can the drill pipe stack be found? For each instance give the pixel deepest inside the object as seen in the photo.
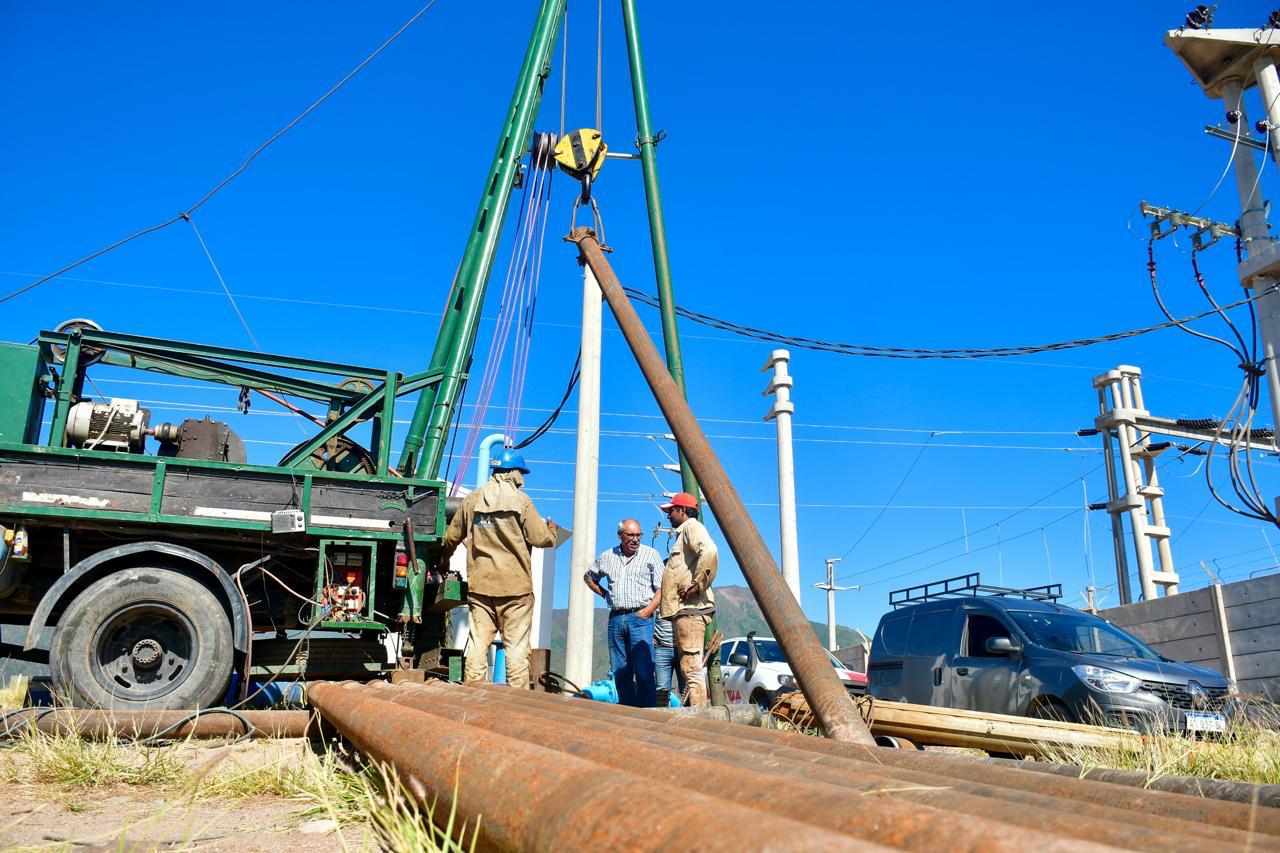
(539, 771)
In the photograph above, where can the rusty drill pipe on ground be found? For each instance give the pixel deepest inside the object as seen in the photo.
(1251, 793)
(743, 715)
(108, 725)
(809, 663)
(528, 797)
(920, 816)
(1040, 811)
(1194, 809)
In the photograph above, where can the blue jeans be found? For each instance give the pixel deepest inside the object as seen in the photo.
(631, 655)
(668, 671)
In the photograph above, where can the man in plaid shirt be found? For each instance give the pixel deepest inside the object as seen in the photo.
(629, 578)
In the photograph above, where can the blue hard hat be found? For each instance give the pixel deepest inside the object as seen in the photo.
(509, 459)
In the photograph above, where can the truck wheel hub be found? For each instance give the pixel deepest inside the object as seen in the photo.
(146, 653)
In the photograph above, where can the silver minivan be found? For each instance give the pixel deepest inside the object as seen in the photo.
(1037, 658)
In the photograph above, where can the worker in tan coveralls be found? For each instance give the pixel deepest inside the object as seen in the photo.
(686, 594)
(501, 528)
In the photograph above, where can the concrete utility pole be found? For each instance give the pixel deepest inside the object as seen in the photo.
(1122, 409)
(1225, 62)
(780, 412)
(578, 637)
(831, 590)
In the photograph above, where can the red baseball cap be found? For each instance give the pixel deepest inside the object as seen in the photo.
(683, 499)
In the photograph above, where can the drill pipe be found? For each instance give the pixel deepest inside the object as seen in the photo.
(527, 797)
(827, 697)
(746, 715)
(109, 725)
(914, 817)
(1095, 822)
(933, 769)
(1251, 793)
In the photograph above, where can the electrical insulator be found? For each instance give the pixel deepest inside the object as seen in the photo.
(1199, 18)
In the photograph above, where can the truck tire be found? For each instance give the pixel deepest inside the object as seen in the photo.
(1052, 709)
(143, 638)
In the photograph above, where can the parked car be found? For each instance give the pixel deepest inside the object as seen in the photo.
(755, 670)
(1035, 658)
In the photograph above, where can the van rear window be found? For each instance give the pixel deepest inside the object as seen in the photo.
(891, 639)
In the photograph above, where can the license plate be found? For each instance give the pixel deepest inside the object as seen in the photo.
(1198, 722)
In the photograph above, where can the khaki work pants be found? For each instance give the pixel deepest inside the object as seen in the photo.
(513, 616)
(689, 633)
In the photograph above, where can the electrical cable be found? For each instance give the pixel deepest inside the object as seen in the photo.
(873, 351)
(1181, 324)
(1070, 483)
(240, 169)
(1195, 270)
(546, 425)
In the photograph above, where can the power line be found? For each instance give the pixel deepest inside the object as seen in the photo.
(195, 406)
(740, 331)
(235, 174)
(1073, 481)
(873, 351)
(662, 418)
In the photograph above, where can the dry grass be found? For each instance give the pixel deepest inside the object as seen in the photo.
(1249, 752)
(323, 787)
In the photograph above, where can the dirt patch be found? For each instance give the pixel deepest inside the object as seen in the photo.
(225, 800)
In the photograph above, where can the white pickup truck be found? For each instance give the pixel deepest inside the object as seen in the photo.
(755, 670)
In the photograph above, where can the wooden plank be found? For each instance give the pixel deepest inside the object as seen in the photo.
(926, 724)
(91, 484)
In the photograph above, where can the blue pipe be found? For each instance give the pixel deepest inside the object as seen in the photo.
(486, 450)
(499, 664)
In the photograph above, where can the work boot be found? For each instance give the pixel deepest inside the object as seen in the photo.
(662, 698)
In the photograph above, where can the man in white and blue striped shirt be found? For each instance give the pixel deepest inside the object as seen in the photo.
(629, 578)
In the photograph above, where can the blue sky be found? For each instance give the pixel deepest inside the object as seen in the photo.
(885, 176)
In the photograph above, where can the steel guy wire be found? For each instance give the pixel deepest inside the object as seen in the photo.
(896, 489)
(222, 281)
(239, 169)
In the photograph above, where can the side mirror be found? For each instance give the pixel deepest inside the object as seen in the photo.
(1002, 646)
(739, 659)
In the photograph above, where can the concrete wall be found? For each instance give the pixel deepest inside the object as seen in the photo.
(1234, 626)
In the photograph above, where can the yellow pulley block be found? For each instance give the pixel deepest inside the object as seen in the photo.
(580, 155)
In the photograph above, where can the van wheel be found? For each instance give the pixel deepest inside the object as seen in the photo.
(760, 699)
(143, 638)
(1052, 709)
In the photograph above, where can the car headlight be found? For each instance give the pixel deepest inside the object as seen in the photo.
(1106, 680)
(785, 680)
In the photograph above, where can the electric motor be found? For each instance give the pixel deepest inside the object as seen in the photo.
(118, 425)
